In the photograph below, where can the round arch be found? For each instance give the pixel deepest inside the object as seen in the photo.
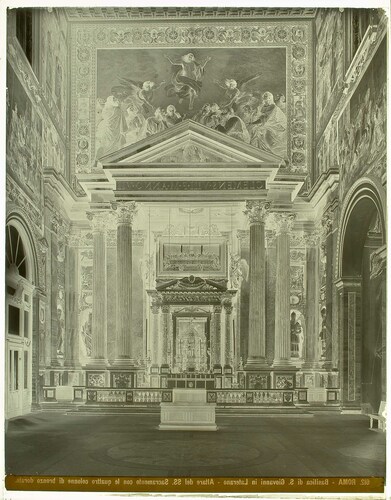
(369, 193)
(21, 315)
(361, 235)
(18, 220)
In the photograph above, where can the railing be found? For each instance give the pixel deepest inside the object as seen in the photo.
(234, 397)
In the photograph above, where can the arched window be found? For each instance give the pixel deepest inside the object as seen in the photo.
(15, 252)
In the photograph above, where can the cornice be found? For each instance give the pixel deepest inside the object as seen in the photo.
(183, 13)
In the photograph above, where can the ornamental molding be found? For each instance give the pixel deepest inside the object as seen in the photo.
(16, 196)
(313, 238)
(328, 218)
(160, 13)
(257, 211)
(243, 236)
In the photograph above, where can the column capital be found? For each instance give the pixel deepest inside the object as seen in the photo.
(282, 222)
(217, 309)
(125, 211)
(312, 238)
(99, 220)
(155, 307)
(165, 308)
(227, 304)
(257, 210)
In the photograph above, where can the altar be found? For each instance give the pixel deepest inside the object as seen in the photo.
(189, 411)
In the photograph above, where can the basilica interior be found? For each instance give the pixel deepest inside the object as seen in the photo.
(195, 200)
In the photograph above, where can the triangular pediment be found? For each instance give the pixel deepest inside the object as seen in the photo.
(191, 284)
(189, 142)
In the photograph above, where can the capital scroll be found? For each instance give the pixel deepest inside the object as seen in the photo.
(257, 211)
(126, 211)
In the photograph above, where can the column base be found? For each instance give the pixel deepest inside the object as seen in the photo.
(96, 364)
(284, 364)
(123, 363)
(254, 363)
(311, 365)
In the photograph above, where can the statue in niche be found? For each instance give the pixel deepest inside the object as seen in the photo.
(297, 337)
(186, 81)
(60, 332)
(86, 333)
(324, 344)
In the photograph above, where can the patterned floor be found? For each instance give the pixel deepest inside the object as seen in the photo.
(325, 445)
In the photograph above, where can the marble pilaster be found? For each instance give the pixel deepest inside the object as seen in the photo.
(228, 354)
(99, 290)
(312, 349)
(165, 330)
(283, 224)
(217, 335)
(71, 351)
(155, 309)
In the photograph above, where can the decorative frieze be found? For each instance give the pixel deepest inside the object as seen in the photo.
(328, 218)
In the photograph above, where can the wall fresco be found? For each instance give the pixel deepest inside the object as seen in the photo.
(362, 127)
(219, 77)
(24, 138)
(54, 68)
(329, 55)
(239, 92)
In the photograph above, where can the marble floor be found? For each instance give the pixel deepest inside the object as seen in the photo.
(249, 445)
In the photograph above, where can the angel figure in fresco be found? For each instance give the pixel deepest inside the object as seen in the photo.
(140, 94)
(237, 93)
(186, 80)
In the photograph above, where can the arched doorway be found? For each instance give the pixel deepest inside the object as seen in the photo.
(19, 320)
(362, 306)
